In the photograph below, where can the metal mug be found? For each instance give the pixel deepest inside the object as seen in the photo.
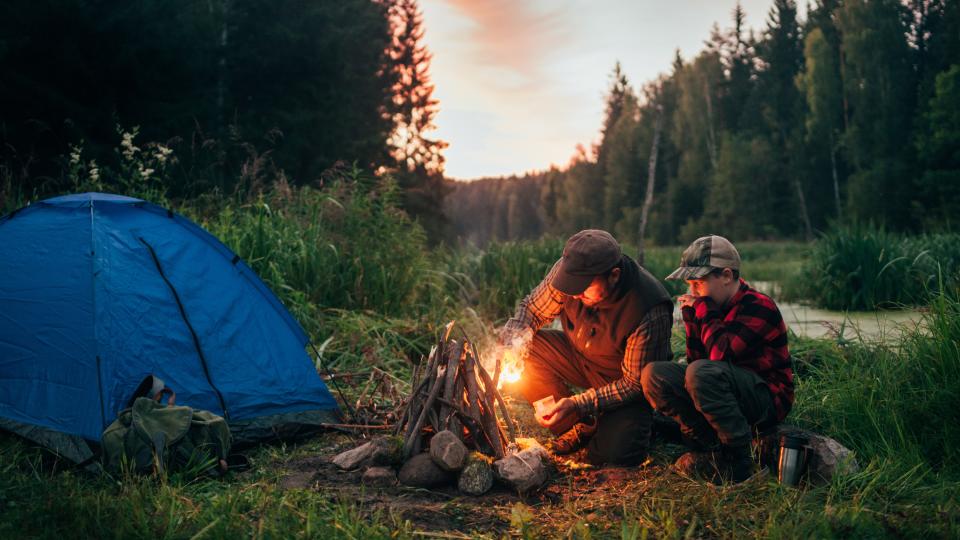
(793, 459)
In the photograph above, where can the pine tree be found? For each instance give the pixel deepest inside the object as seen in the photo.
(418, 158)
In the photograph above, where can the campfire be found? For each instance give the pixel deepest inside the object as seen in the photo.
(452, 391)
(455, 422)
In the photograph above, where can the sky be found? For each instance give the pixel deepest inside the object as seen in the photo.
(521, 82)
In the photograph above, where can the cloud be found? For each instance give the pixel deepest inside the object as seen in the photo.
(513, 40)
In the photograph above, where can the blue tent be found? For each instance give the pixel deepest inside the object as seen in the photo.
(99, 291)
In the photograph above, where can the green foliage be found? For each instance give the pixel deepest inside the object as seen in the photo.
(863, 267)
(344, 247)
(504, 273)
(893, 405)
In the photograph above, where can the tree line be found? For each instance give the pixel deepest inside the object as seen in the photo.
(850, 115)
(240, 92)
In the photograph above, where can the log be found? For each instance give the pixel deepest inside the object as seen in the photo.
(503, 406)
(453, 371)
(414, 434)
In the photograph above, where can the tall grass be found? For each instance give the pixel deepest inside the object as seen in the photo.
(891, 404)
(860, 267)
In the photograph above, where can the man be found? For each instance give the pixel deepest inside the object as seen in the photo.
(616, 318)
(738, 374)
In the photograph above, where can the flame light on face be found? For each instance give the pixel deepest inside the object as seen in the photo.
(511, 367)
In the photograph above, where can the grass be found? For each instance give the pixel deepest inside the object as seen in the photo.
(357, 274)
(861, 267)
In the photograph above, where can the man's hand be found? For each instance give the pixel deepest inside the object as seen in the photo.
(686, 300)
(560, 412)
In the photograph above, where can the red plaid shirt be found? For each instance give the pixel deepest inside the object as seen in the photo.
(749, 333)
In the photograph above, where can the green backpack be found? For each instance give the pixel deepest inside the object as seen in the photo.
(152, 437)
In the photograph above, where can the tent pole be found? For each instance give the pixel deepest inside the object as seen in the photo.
(333, 379)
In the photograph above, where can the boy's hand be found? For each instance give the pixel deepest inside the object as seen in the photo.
(686, 300)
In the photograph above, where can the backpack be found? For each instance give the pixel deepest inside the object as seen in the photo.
(152, 437)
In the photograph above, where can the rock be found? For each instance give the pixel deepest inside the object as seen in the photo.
(379, 451)
(826, 458)
(476, 478)
(525, 470)
(448, 451)
(421, 471)
(351, 459)
(379, 476)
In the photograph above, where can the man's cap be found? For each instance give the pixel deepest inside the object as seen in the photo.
(705, 254)
(587, 254)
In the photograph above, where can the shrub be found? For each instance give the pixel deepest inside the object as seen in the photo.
(861, 267)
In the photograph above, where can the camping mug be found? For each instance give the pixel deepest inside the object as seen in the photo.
(793, 459)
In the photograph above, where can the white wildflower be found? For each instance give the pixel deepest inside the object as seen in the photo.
(162, 154)
(129, 149)
(75, 155)
(94, 171)
(145, 173)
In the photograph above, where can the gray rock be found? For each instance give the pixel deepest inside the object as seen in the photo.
(379, 451)
(448, 451)
(476, 478)
(525, 470)
(351, 459)
(379, 476)
(421, 471)
(826, 457)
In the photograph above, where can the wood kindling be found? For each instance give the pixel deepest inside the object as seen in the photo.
(452, 391)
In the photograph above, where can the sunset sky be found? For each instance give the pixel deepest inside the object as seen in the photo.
(522, 82)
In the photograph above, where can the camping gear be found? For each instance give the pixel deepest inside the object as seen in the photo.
(97, 291)
(793, 459)
(153, 437)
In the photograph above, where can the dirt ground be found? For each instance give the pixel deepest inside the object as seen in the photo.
(572, 484)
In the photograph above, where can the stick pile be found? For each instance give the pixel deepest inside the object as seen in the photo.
(452, 391)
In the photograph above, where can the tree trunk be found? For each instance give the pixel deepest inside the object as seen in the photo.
(651, 178)
(711, 137)
(808, 230)
(836, 180)
(222, 66)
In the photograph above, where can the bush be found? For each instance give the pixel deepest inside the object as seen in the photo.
(344, 247)
(893, 404)
(860, 267)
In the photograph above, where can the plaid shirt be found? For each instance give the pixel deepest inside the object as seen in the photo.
(649, 342)
(749, 333)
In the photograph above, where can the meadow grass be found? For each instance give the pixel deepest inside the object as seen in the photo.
(861, 267)
(358, 276)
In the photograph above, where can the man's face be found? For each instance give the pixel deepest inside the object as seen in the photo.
(598, 289)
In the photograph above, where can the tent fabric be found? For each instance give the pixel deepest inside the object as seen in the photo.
(98, 291)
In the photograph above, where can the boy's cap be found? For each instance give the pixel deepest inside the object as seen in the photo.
(586, 255)
(705, 254)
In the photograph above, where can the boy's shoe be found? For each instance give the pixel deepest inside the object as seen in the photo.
(729, 464)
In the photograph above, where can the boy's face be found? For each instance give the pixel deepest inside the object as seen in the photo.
(717, 287)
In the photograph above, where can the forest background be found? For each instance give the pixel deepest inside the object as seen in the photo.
(848, 115)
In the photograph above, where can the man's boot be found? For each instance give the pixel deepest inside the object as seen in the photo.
(574, 438)
(736, 463)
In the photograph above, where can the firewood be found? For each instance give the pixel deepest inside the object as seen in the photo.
(453, 370)
(414, 434)
(499, 398)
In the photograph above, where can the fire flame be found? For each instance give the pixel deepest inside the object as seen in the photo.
(511, 367)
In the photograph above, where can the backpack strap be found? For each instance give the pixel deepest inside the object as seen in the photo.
(149, 386)
(171, 401)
